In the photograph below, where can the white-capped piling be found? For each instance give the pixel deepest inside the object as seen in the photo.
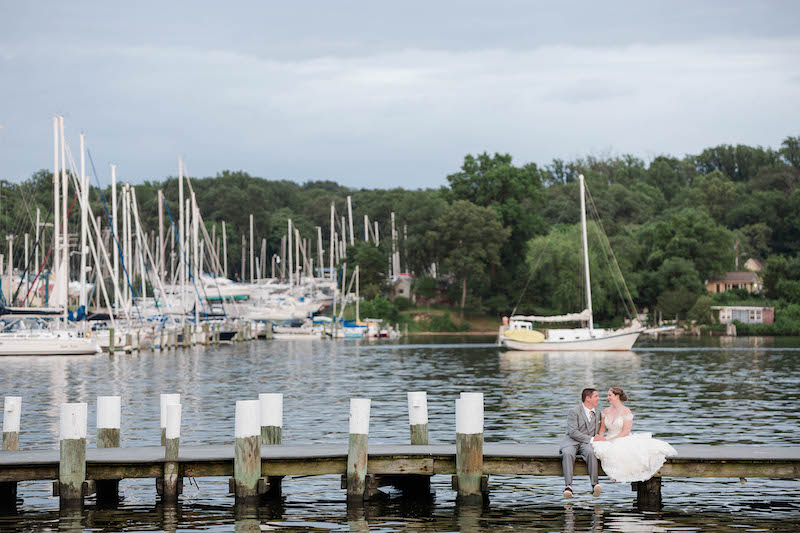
(167, 399)
(248, 484)
(108, 436)
(271, 413)
(357, 449)
(469, 447)
(12, 412)
(72, 454)
(418, 417)
(171, 482)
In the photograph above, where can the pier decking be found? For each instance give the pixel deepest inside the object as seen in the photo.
(389, 460)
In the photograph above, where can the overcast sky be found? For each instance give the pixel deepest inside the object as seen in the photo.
(373, 95)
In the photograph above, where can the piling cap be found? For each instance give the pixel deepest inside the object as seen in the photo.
(247, 419)
(469, 415)
(271, 409)
(359, 416)
(12, 410)
(417, 408)
(108, 412)
(173, 429)
(74, 418)
(167, 399)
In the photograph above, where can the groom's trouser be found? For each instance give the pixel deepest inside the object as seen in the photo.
(583, 450)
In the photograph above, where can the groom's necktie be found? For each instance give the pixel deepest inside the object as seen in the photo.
(591, 417)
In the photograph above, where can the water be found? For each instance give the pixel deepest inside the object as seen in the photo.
(686, 391)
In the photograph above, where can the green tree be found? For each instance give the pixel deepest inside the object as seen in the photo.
(469, 238)
(557, 275)
(372, 261)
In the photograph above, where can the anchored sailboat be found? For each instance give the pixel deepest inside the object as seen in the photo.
(518, 333)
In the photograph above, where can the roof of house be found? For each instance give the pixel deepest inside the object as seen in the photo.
(753, 264)
(737, 277)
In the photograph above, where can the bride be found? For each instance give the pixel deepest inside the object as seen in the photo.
(626, 456)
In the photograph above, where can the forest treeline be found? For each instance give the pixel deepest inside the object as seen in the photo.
(506, 237)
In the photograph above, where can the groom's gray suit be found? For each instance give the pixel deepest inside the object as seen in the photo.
(577, 443)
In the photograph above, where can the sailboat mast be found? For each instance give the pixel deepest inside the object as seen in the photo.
(586, 253)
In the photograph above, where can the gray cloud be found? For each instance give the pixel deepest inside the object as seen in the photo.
(379, 97)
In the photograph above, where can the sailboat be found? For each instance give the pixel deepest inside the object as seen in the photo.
(518, 332)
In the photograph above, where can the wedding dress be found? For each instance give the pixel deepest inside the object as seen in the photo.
(635, 457)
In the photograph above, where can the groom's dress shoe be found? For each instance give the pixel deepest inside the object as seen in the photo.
(568, 492)
(597, 490)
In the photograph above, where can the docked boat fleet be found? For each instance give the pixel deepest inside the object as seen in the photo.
(130, 289)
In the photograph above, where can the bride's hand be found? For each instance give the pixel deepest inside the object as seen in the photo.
(598, 437)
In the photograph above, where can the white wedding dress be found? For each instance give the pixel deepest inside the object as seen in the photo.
(635, 457)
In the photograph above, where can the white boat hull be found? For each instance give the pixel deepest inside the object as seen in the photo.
(47, 346)
(615, 342)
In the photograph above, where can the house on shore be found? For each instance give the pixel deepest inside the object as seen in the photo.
(735, 280)
(744, 314)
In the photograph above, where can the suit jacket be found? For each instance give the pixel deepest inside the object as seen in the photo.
(579, 429)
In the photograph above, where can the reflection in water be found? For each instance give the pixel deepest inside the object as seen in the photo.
(685, 391)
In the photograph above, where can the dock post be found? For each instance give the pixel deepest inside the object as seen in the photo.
(417, 485)
(72, 455)
(357, 450)
(248, 484)
(172, 482)
(205, 335)
(418, 417)
(111, 338)
(469, 480)
(167, 399)
(12, 412)
(648, 494)
(271, 408)
(128, 342)
(108, 436)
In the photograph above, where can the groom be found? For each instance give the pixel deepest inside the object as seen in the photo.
(583, 423)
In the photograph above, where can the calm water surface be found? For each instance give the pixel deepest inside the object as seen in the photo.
(686, 391)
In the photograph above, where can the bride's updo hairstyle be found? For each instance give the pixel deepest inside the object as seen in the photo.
(619, 392)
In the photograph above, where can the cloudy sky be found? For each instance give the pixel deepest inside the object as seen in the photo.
(373, 95)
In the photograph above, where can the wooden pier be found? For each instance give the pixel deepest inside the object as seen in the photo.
(256, 467)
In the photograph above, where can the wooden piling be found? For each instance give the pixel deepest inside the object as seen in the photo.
(72, 455)
(172, 481)
(248, 484)
(108, 436)
(271, 413)
(357, 450)
(469, 448)
(111, 338)
(128, 342)
(12, 411)
(205, 335)
(648, 494)
(418, 417)
(167, 399)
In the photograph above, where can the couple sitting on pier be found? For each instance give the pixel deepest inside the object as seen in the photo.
(625, 456)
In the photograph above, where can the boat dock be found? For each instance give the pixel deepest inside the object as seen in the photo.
(257, 461)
